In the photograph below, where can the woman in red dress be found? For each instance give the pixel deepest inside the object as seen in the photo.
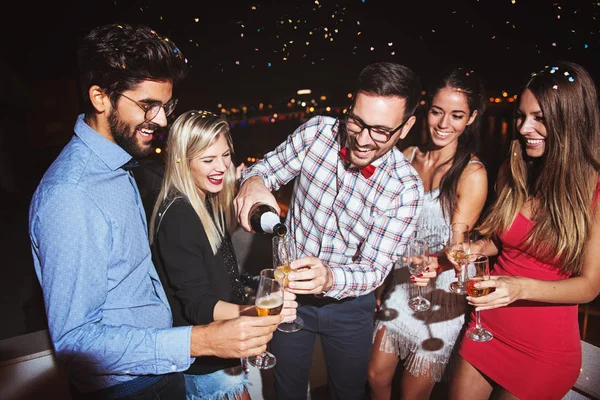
(545, 229)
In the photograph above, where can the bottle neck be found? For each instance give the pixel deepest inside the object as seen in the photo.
(280, 230)
(268, 221)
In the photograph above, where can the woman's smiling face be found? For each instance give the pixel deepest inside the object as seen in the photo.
(530, 123)
(448, 116)
(209, 167)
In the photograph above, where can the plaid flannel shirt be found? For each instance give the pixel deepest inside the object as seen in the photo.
(355, 226)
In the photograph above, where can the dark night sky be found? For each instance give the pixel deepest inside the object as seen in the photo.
(230, 47)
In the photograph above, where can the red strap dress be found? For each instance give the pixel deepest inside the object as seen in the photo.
(536, 349)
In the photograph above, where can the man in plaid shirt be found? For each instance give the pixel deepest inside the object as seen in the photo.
(355, 204)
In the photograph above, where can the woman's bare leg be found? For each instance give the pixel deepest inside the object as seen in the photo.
(416, 387)
(502, 394)
(468, 383)
(245, 395)
(382, 369)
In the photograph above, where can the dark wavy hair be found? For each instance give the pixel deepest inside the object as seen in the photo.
(391, 79)
(117, 57)
(468, 83)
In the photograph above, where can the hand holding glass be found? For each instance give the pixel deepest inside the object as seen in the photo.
(284, 252)
(457, 250)
(478, 270)
(269, 301)
(417, 262)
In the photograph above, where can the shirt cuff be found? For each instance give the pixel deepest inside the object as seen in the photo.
(173, 349)
(338, 283)
(249, 173)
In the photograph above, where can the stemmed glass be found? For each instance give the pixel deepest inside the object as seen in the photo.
(478, 270)
(457, 250)
(417, 262)
(284, 252)
(269, 301)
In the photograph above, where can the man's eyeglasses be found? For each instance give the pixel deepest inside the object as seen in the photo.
(151, 110)
(378, 134)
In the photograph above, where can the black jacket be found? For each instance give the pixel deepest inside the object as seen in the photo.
(193, 278)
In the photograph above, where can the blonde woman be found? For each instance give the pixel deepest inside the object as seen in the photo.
(191, 245)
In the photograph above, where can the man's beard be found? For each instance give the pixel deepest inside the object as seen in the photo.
(125, 138)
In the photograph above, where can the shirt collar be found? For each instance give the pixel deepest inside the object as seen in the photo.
(381, 161)
(110, 153)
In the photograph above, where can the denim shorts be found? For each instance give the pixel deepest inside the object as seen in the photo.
(227, 383)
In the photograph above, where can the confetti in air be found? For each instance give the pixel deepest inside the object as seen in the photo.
(306, 39)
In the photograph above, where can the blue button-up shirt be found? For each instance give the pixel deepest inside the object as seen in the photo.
(108, 316)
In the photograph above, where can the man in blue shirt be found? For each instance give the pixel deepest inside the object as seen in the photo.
(108, 316)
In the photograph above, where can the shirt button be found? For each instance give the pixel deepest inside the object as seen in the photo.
(173, 367)
(128, 371)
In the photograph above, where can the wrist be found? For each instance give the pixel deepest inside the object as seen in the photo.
(328, 280)
(251, 178)
(524, 288)
(244, 179)
(200, 341)
(478, 246)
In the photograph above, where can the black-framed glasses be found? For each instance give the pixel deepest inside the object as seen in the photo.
(151, 110)
(378, 134)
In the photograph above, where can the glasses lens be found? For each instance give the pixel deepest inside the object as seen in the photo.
(353, 125)
(170, 107)
(379, 135)
(153, 111)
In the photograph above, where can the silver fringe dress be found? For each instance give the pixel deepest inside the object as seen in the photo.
(424, 340)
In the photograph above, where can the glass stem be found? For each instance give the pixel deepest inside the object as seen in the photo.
(478, 320)
(419, 292)
(294, 320)
(461, 277)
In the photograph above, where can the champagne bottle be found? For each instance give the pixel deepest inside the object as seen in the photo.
(264, 219)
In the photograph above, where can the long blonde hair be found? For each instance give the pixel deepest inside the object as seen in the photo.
(564, 179)
(192, 134)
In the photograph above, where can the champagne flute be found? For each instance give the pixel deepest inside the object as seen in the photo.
(269, 301)
(457, 250)
(478, 270)
(284, 252)
(417, 262)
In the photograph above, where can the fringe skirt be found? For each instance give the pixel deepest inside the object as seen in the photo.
(423, 340)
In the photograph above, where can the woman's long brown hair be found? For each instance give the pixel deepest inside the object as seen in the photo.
(563, 181)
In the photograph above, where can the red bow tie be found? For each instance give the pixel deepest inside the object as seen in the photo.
(365, 171)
